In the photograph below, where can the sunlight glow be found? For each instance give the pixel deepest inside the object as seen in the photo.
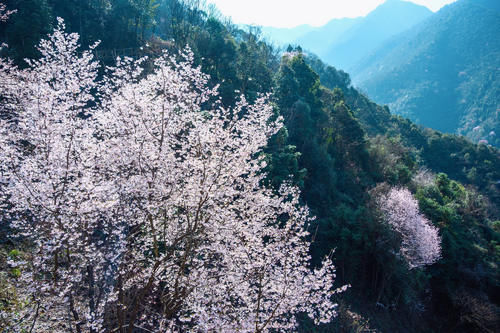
(290, 13)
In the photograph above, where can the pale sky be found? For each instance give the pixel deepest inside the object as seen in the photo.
(290, 13)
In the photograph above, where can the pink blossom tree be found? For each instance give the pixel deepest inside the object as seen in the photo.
(145, 206)
(189, 177)
(421, 244)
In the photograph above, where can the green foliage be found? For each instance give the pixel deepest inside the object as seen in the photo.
(324, 132)
(469, 267)
(336, 155)
(32, 21)
(393, 162)
(460, 156)
(15, 272)
(13, 298)
(14, 254)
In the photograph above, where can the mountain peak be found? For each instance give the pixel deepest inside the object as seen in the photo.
(387, 20)
(399, 4)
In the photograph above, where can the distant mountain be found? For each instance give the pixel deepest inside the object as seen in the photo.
(443, 73)
(386, 21)
(344, 42)
(285, 36)
(321, 39)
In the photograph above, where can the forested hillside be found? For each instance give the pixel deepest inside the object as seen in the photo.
(442, 73)
(408, 215)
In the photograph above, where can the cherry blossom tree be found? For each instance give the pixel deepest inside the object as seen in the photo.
(143, 198)
(421, 244)
(224, 253)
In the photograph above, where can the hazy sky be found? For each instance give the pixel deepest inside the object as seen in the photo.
(289, 13)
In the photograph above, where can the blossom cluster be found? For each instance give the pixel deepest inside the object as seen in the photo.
(420, 241)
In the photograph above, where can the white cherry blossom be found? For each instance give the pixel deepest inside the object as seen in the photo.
(143, 198)
(421, 244)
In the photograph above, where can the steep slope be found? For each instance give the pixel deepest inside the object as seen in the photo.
(443, 73)
(347, 144)
(387, 20)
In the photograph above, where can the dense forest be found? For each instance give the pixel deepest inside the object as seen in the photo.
(354, 163)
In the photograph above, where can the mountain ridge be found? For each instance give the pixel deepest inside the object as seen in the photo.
(442, 73)
(385, 21)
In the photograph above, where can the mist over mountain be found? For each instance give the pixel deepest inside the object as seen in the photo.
(320, 40)
(387, 20)
(443, 73)
(344, 42)
(282, 36)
